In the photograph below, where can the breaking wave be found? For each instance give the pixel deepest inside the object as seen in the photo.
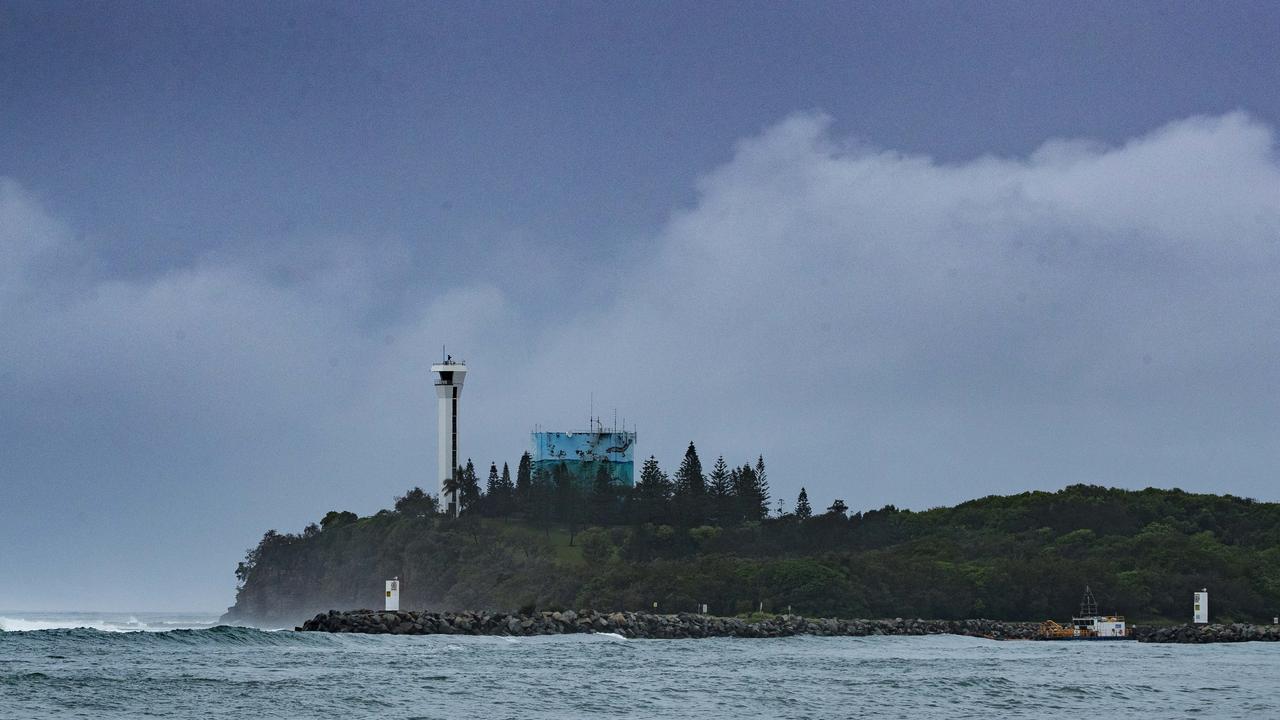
(105, 622)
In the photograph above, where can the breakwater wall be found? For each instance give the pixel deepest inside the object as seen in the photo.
(648, 625)
(689, 625)
(1234, 632)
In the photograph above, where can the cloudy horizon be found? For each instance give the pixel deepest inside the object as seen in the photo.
(203, 345)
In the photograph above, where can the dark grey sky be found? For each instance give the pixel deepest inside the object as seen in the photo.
(912, 253)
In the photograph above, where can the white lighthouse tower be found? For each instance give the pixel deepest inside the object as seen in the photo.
(449, 377)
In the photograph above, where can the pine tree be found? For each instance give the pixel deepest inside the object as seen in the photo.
(734, 500)
(719, 491)
(653, 482)
(690, 489)
(743, 481)
(762, 485)
(689, 480)
(468, 488)
(838, 508)
(491, 487)
(494, 498)
(524, 483)
(803, 511)
(752, 496)
(719, 479)
(506, 494)
(750, 506)
(654, 491)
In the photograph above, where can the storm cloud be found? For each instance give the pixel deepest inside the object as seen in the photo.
(882, 327)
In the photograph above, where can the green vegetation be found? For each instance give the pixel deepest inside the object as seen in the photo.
(544, 543)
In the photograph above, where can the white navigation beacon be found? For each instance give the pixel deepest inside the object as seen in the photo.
(393, 595)
(1200, 611)
(449, 377)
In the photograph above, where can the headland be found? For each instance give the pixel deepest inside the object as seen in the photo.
(1014, 559)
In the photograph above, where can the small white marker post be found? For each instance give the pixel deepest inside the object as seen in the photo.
(1200, 610)
(393, 595)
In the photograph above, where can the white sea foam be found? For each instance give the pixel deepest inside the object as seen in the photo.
(106, 622)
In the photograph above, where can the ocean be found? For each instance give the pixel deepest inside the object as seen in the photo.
(175, 666)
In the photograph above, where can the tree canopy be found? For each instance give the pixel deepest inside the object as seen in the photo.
(1017, 557)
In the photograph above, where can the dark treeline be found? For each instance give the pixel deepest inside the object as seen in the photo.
(726, 496)
(694, 537)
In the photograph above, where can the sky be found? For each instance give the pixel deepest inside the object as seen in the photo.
(911, 253)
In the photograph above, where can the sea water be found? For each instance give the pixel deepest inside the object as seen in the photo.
(125, 666)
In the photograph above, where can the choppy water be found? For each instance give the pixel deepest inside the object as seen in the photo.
(225, 672)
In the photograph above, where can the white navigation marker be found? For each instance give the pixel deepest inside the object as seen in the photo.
(393, 595)
(1201, 608)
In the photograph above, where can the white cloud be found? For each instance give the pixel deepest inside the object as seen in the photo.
(882, 327)
(821, 292)
(205, 404)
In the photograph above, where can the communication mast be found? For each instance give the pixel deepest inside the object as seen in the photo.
(1088, 606)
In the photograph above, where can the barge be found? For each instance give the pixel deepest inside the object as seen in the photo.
(1087, 624)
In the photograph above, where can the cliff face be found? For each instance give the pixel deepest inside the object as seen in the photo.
(1024, 557)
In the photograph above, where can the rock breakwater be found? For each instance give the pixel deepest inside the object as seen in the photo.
(690, 625)
(648, 625)
(1234, 632)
